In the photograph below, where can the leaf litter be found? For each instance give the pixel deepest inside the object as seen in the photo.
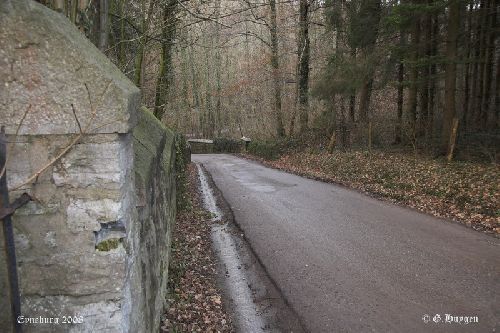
(194, 302)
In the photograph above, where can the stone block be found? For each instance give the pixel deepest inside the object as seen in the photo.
(90, 164)
(98, 316)
(88, 215)
(46, 65)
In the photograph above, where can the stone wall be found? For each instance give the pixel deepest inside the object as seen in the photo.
(95, 243)
(201, 146)
(154, 166)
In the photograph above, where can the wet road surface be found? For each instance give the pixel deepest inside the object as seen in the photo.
(349, 263)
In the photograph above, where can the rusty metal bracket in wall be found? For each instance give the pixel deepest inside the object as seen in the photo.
(11, 209)
(6, 211)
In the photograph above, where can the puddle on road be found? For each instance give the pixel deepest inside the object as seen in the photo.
(245, 310)
(208, 195)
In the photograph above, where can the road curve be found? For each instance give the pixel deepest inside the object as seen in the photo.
(347, 262)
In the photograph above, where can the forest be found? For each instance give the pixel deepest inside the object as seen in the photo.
(339, 74)
(396, 98)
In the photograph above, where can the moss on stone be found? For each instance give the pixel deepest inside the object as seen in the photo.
(108, 244)
(149, 135)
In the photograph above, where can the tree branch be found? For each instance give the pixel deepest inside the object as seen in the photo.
(203, 18)
(73, 142)
(2, 172)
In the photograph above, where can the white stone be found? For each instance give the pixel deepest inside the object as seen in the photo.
(87, 215)
(22, 241)
(90, 164)
(50, 239)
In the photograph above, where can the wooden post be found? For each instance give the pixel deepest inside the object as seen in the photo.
(82, 5)
(58, 5)
(370, 136)
(453, 139)
(333, 142)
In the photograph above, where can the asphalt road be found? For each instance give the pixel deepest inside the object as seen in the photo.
(346, 262)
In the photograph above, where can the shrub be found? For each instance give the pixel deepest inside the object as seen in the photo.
(225, 145)
(273, 149)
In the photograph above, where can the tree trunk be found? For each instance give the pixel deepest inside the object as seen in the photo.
(450, 72)
(343, 124)
(364, 99)
(280, 130)
(370, 14)
(209, 117)
(195, 89)
(303, 64)
(433, 72)
(425, 73)
(352, 108)
(481, 51)
(186, 107)
(331, 116)
(218, 64)
(468, 54)
(401, 76)
(332, 126)
(73, 11)
(413, 76)
(489, 59)
(139, 65)
(122, 58)
(496, 109)
(82, 4)
(292, 121)
(58, 5)
(103, 25)
(164, 75)
(352, 97)
(452, 139)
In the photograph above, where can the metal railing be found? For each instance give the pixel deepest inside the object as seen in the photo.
(6, 212)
